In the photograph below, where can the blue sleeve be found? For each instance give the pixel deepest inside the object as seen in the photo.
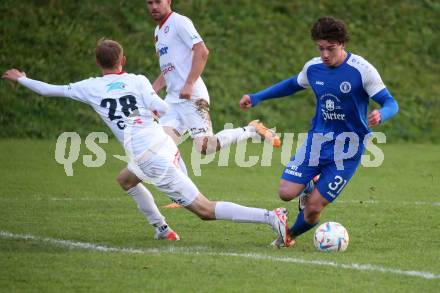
(388, 103)
(281, 89)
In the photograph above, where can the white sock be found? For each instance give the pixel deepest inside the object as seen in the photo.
(237, 213)
(229, 136)
(146, 205)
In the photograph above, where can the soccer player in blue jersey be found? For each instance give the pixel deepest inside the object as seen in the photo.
(343, 84)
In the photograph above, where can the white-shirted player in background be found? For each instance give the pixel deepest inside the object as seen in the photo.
(182, 57)
(126, 103)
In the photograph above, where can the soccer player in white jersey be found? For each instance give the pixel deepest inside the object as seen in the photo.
(113, 96)
(343, 84)
(126, 102)
(182, 57)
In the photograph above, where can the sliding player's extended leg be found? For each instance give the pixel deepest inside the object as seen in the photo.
(220, 210)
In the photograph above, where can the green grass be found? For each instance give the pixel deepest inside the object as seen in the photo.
(391, 213)
(252, 44)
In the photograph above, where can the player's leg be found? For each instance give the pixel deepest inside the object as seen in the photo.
(328, 187)
(255, 128)
(304, 195)
(173, 133)
(174, 126)
(295, 180)
(195, 115)
(222, 210)
(288, 190)
(169, 179)
(309, 217)
(211, 144)
(146, 205)
(297, 175)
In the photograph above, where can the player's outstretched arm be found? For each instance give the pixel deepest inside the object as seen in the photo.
(389, 108)
(36, 86)
(284, 88)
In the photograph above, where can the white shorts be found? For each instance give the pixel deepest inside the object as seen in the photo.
(191, 115)
(163, 172)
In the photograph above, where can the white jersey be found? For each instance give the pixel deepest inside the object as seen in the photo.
(175, 38)
(114, 97)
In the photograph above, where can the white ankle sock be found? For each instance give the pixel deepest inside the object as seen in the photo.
(237, 213)
(229, 136)
(146, 205)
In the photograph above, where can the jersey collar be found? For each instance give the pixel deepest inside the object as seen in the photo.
(165, 20)
(118, 73)
(348, 57)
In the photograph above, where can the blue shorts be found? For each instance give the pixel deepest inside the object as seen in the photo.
(334, 176)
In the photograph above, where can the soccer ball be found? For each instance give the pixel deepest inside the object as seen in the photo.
(331, 236)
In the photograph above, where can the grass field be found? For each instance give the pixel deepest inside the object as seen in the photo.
(83, 234)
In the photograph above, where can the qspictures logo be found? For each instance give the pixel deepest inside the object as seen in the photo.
(68, 145)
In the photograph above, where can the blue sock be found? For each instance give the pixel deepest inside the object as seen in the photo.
(300, 226)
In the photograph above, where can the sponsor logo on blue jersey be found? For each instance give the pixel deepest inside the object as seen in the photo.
(114, 86)
(330, 103)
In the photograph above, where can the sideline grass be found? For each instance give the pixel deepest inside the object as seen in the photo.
(387, 228)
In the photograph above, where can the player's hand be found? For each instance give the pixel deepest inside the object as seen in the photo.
(186, 91)
(374, 118)
(13, 74)
(245, 102)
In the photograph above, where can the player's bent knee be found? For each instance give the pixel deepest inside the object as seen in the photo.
(286, 194)
(121, 180)
(125, 181)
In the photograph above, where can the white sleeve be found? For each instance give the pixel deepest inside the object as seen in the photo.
(302, 78)
(49, 90)
(151, 99)
(372, 81)
(158, 105)
(79, 91)
(187, 32)
(42, 88)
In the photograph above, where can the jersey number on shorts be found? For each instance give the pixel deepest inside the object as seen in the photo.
(128, 105)
(338, 184)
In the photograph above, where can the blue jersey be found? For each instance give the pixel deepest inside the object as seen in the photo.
(335, 141)
(342, 94)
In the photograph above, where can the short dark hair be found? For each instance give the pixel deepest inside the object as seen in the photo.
(108, 53)
(330, 29)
